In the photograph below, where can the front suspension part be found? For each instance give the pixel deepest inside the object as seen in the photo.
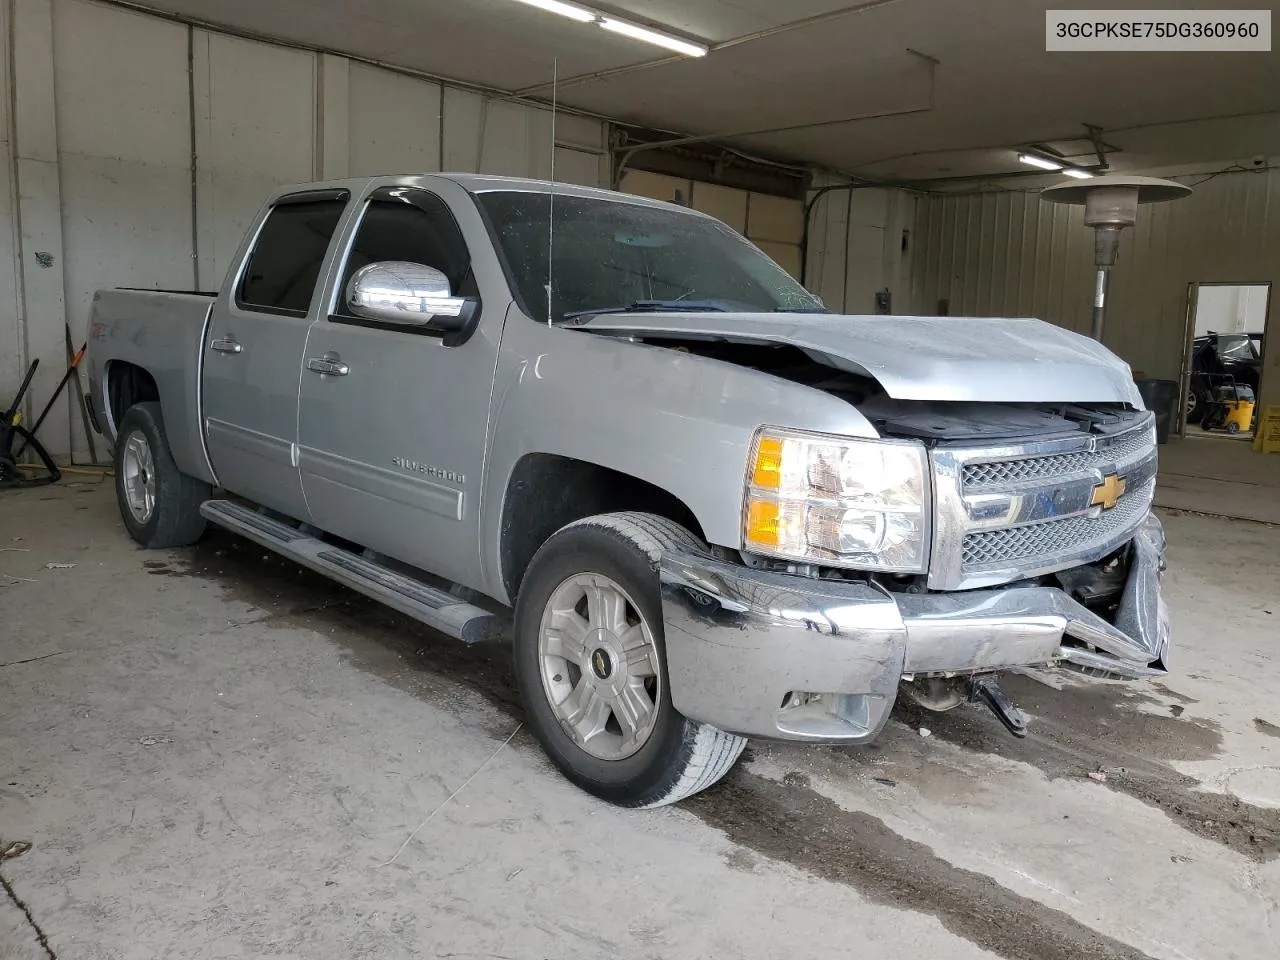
(986, 689)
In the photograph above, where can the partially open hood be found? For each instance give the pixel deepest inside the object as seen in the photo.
(918, 358)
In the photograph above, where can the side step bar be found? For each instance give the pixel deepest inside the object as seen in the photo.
(436, 608)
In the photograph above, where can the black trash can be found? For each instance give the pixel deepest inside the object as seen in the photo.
(1161, 398)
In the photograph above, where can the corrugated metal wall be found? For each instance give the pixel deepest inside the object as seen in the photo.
(134, 150)
(855, 247)
(1011, 254)
(855, 237)
(138, 149)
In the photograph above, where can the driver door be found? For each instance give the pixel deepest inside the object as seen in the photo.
(392, 417)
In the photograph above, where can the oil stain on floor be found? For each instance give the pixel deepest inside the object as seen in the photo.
(790, 822)
(1103, 729)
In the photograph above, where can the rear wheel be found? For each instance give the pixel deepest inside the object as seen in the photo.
(591, 665)
(160, 505)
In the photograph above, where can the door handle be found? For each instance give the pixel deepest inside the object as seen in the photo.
(327, 366)
(225, 345)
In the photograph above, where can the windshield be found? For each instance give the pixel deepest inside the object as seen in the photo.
(610, 254)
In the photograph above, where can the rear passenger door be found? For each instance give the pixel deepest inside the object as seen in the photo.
(253, 354)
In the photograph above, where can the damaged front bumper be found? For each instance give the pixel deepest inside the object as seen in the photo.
(783, 657)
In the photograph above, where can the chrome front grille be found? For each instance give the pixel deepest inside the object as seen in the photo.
(1023, 510)
(1109, 452)
(1056, 537)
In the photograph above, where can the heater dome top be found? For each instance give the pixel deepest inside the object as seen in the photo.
(1150, 189)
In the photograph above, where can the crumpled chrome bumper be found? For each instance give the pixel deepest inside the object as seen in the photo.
(768, 655)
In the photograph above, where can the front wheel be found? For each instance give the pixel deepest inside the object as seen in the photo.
(591, 665)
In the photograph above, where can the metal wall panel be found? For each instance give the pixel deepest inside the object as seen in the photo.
(394, 123)
(255, 129)
(656, 186)
(723, 203)
(125, 127)
(854, 250)
(13, 352)
(587, 168)
(487, 135)
(124, 152)
(1009, 253)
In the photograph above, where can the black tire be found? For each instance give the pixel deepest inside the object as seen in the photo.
(1195, 406)
(680, 756)
(174, 520)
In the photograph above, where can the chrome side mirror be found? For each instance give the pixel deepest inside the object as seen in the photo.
(396, 291)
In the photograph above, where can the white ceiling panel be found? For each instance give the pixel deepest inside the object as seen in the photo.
(995, 87)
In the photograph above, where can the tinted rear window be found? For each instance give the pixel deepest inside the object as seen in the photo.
(284, 266)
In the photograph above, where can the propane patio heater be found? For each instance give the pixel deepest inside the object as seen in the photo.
(1110, 204)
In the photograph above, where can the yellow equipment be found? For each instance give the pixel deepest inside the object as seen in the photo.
(1231, 410)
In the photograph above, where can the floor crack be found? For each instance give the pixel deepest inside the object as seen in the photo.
(14, 663)
(18, 902)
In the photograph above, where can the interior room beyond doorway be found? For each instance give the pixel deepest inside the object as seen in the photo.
(1224, 359)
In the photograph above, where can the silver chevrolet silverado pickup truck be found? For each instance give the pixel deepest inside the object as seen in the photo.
(612, 431)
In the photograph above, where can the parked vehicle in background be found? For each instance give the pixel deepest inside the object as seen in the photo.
(701, 508)
(1222, 359)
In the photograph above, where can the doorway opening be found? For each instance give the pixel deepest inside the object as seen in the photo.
(1222, 362)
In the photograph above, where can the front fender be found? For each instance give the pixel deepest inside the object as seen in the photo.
(681, 422)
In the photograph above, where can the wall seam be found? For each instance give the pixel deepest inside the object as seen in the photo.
(195, 156)
(317, 123)
(19, 281)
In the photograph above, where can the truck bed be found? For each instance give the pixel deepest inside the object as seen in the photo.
(162, 332)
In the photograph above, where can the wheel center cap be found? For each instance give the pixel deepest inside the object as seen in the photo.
(601, 663)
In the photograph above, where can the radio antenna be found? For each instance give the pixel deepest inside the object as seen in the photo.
(551, 196)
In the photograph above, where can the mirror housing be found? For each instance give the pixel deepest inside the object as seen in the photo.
(411, 294)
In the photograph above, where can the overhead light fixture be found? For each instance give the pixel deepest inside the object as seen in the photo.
(1032, 160)
(570, 10)
(626, 28)
(1078, 174)
(688, 48)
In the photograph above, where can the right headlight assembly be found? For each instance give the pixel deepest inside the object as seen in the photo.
(837, 501)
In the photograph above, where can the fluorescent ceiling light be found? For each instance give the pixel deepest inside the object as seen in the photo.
(1078, 174)
(570, 10)
(1034, 161)
(624, 27)
(686, 47)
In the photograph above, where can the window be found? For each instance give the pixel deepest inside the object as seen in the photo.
(281, 273)
(611, 253)
(413, 226)
(1237, 346)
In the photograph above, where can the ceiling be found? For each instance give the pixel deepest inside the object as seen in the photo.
(902, 89)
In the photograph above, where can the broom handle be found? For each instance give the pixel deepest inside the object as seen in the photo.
(26, 382)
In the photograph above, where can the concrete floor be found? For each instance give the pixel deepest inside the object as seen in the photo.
(217, 755)
(1219, 474)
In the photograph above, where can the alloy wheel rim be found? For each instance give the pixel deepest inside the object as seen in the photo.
(138, 470)
(598, 661)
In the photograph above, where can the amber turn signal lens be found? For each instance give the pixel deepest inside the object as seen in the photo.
(763, 523)
(767, 472)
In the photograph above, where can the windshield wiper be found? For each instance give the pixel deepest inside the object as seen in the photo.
(654, 306)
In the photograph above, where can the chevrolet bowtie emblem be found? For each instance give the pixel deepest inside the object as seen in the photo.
(1108, 492)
